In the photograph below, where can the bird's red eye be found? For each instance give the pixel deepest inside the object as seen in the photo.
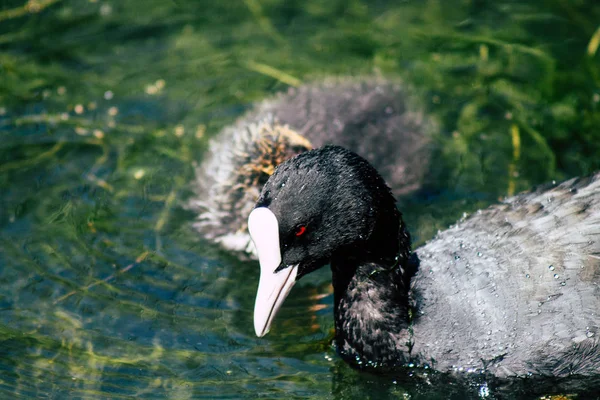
(300, 230)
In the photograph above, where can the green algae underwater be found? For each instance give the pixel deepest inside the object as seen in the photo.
(105, 107)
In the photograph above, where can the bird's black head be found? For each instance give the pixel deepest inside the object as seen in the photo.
(325, 205)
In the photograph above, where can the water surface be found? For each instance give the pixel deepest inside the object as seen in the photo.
(105, 106)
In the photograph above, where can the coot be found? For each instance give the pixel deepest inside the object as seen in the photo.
(512, 290)
(378, 118)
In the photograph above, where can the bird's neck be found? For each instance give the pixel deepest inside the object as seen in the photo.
(371, 279)
(372, 307)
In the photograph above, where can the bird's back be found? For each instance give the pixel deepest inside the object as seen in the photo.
(515, 288)
(379, 119)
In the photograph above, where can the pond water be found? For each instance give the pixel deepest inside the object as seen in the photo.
(105, 289)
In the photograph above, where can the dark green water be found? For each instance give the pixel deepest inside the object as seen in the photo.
(106, 292)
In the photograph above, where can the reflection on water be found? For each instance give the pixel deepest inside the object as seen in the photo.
(106, 292)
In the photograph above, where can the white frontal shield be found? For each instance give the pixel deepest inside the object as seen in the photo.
(273, 287)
